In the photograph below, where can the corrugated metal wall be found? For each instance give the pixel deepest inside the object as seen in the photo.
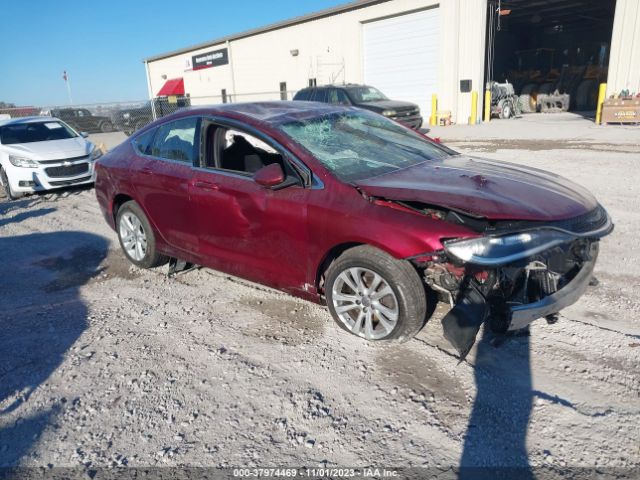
(624, 61)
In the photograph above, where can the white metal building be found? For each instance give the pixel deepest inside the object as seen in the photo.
(409, 49)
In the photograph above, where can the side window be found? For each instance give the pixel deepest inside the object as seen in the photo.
(321, 95)
(342, 97)
(239, 151)
(177, 140)
(337, 97)
(80, 113)
(143, 142)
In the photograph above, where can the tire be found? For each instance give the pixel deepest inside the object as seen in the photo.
(395, 316)
(106, 127)
(141, 249)
(507, 109)
(527, 104)
(11, 195)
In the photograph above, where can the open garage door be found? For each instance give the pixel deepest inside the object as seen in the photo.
(554, 52)
(401, 56)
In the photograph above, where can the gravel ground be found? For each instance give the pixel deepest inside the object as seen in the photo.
(103, 364)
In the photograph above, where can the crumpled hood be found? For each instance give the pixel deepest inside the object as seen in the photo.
(52, 149)
(486, 188)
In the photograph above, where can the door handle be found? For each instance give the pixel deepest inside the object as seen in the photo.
(206, 185)
(146, 171)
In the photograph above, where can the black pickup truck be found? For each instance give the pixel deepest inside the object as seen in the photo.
(131, 119)
(83, 120)
(363, 96)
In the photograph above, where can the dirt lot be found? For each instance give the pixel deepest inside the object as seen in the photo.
(102, 364)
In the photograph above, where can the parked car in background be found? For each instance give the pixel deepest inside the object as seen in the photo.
(131, 119)
(338, 204)
(82, 120)
(366, 97)
(43, 153)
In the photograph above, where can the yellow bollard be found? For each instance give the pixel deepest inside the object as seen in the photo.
(434, 110)
(474, 108)
(602, 93)
(487, 105)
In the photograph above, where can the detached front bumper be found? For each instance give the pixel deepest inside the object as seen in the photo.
(511, 297)
(519, 316)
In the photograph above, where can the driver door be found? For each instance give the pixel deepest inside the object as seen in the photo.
(243, 228)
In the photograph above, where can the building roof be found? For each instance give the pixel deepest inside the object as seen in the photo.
(273, 26)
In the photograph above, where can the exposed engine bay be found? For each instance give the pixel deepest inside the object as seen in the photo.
(514, 287)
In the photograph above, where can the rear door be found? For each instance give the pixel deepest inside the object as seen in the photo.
(162, 181)
(243, 228)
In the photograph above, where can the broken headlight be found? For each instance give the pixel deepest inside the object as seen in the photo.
(505, 249)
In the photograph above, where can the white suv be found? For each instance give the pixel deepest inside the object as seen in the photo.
(43, 153)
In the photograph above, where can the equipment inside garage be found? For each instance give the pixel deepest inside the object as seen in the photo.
(555, 53)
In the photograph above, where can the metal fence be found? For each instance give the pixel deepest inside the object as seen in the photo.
(130, 116)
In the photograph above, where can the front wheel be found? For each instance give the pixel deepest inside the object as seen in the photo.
(375, 296)
(7, 186)
(137, 238)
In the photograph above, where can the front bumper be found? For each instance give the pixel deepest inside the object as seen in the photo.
(51, 175)
(519, 316)
(414, 121)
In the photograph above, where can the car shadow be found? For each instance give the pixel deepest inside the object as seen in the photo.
(5, 209)
(41, 318)
(495, 440)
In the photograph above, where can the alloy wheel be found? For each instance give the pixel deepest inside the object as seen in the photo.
(365, 303)
(134, 238)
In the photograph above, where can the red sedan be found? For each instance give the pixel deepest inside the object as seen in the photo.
(343, 206)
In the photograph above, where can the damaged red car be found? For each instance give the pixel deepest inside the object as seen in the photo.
(344, 206)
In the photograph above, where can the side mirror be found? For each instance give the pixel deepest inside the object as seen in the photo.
(269, 176)
(84, 134)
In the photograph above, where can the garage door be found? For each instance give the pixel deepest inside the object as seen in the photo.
(401, 56)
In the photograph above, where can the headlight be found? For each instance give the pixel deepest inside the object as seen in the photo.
(96, 153)
(389, 113)
(505, 249)
(22, 162)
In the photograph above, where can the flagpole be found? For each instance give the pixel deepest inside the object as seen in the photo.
(66, 80)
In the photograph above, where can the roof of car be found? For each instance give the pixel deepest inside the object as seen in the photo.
(16, 121)
(335, 85)
(276, 111)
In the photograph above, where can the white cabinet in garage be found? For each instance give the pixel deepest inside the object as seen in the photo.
(401, 56)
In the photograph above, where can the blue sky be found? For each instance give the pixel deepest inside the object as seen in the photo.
(101, 44)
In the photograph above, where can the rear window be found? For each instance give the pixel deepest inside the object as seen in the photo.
(35, 132)
(143, 141)
(302, 95)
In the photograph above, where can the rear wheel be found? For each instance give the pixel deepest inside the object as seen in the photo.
(7, 187)
(106, 127)
(137, 238)
(375, 296)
